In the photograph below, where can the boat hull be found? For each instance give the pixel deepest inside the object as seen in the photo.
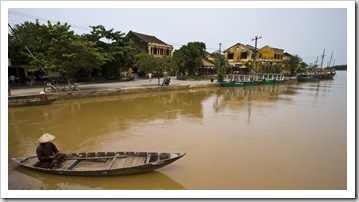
(271, 81)
(239, 83)
(24, 103)
(307, 78)
(105, 163)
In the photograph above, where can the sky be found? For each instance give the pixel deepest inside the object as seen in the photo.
(304, 31)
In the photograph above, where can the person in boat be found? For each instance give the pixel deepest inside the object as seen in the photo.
(43, 96)
(47, 153)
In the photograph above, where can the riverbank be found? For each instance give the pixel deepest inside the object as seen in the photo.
(111, 88)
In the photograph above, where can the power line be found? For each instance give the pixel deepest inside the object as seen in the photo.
(28, 17)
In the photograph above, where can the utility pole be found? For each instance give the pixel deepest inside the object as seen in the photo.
(255, 48)
(219, 56)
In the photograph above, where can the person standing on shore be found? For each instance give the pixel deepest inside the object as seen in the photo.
(150, 76)
(12, 79)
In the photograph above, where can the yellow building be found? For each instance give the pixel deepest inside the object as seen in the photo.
(268, 56)
(239, 55)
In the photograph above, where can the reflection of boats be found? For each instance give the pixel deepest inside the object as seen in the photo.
(240, 80)
(307, 77)
(105, 163)
(21, 103)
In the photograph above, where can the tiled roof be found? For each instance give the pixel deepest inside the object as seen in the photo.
(148, 38)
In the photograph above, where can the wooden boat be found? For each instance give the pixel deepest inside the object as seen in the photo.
(239, 83)
(307, 77)
(326, 75)
(104, 163)
(270, 78)
(240, 80)
(22, 103)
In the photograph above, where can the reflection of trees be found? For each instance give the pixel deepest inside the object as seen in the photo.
(102, 115)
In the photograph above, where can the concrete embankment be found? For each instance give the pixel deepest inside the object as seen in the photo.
(113, 91)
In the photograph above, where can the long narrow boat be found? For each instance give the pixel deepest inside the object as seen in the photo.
(104, 163)
(240, 80)
(270, 78)
(22, 103)
(239, 83)
(307, 77)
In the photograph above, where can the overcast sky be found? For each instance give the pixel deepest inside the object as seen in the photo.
(302, 31)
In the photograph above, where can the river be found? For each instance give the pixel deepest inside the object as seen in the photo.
(266, 137)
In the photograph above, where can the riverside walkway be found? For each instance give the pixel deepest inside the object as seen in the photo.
(138, 84)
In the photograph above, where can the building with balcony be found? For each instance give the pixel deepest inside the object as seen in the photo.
(148, 44)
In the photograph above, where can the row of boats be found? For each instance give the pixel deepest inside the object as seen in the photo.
(271, 78)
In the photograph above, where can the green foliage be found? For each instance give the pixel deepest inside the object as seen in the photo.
(220, 75)
(277, 68)
(189, 57)
(295, 65)
(149, 64)
(55, 48)
(340, 67)
(112, 46)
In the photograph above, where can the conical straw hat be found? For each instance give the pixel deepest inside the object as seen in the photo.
(46, 137)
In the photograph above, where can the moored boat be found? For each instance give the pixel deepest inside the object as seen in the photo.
(270, 78)
(21, 103)
(307, 77)
(239, 83)
(326, 75)
(104, 163)
(240, 80)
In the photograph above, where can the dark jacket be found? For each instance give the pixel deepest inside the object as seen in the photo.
(44, 151)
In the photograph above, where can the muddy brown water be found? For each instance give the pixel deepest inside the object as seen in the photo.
(266, 137)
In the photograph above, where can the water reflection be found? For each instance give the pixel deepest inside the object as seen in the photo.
(235, 99)
(36, 180)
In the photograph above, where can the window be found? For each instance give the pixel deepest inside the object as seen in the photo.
(244, 55)
(230, 56)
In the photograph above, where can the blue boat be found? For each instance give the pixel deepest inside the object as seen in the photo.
(308, 77)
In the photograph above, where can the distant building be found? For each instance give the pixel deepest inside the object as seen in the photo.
(268, 56)
(149, 44)
(239, 57)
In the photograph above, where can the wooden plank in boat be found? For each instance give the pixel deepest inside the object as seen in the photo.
(138, 161)
(31, 161)
(70, 164)
(89, 165)
(112, 161)
(119, 163)
(128, 161)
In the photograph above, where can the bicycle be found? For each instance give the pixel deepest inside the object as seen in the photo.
(53, 86)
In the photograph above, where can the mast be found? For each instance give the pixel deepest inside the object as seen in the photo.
(330, 61)
(321, 64)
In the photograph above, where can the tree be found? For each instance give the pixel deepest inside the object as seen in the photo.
(149, 64)
(55, 48)
(112, 45)
(189, 57)
(295, 65)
